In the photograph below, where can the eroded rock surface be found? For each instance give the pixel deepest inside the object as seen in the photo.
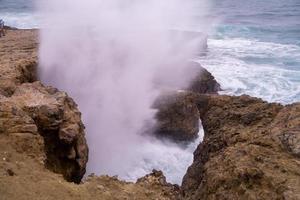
(204, 82)
(31, 110)
(59, 122)
(18, 57)
(38, 110)
(178, 116)
(250, 150)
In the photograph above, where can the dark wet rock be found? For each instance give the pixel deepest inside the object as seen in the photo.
(204, 82)
(177, 117)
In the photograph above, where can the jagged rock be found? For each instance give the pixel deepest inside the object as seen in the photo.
(20, 129)
(204, 82)
(59, 122)
(157, 179)
(177, 117)
(248, 152)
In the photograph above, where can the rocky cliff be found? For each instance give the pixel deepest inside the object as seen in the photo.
(250, 150)
(29, 109)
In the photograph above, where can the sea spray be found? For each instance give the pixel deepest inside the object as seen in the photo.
(114, 57)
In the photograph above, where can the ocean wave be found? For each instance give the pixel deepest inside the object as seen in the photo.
(21, 20)
(273, 80)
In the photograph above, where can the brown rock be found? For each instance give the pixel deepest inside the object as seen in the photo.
(204, 82)
(247, 152)
(59, 122)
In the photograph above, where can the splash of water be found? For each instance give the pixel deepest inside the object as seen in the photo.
(114, 57)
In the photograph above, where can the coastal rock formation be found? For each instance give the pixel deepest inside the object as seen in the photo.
(250, 150)
(59, 122)
(204, 82)
(37, 110)
(32, 109)
(178, 116)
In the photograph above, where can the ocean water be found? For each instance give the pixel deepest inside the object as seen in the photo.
(19, 13)
(254, 49)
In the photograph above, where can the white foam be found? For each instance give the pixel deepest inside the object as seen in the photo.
(169, 157)
(21, 20)
(269, 81)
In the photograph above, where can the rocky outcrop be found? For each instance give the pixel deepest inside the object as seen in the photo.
(250, 150)
(204, 82)
(59, 122)
(38, 110)
(178, 116)
(29, 110)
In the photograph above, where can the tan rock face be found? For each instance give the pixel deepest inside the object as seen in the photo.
(249, 151)
(59, 122)
(38, 110)
(29, 107)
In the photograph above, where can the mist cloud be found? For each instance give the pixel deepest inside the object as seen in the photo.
(114, 57)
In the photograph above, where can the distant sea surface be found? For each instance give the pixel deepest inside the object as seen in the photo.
(255, 48)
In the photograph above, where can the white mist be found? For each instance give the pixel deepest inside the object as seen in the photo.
(114, 57)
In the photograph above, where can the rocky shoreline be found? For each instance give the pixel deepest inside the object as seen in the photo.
(251, 148)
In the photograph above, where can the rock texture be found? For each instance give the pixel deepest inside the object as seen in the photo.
(204, 82)
(178, 116)
(250, 150)
(34, 110)
(59, 122)
(18, 57)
